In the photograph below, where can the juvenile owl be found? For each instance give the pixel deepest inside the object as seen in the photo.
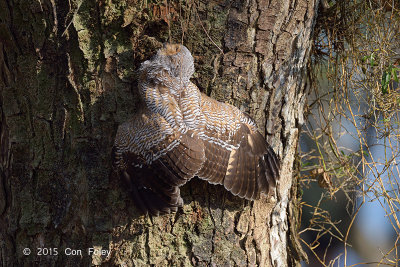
(180, 133)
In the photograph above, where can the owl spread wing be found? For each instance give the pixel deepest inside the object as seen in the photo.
(237, 156)
(155, 160)
(220, 144)
(180, 133)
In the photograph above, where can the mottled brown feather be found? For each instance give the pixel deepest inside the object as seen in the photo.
(155, 188)
(180, 133)
(249, 170)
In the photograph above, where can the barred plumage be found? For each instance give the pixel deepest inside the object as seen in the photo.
(180, 133)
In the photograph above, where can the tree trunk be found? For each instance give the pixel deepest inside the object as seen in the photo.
(67, 79)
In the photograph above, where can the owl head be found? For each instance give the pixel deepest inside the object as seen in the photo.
(177, 59)
(172, 65)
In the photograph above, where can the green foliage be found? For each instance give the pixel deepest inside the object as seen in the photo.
(389, 75)
(370, 59)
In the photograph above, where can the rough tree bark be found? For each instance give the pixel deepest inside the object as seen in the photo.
(67, 80)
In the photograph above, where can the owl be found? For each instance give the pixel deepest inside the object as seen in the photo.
(179, 133)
